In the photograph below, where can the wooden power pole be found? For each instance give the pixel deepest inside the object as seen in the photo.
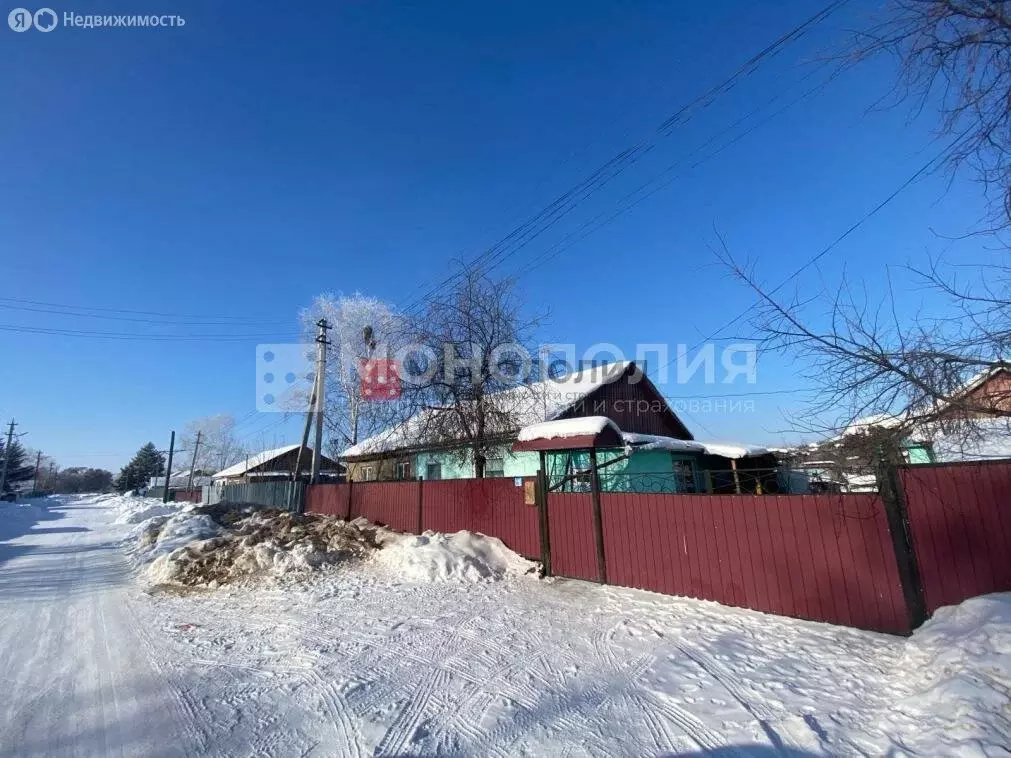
(7, 455)
(193, 462)
(168, 469)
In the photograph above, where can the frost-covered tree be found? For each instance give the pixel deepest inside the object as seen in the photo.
(220, 446)
(362, 327)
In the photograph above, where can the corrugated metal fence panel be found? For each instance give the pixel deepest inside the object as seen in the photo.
(328, 499)
(277, 494)
(570, 523)
(825, 558)
(490, 506)
(960, 519)
(392, 503)
(188, 496)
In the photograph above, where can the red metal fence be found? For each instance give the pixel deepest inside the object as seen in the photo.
(825, 558)
(821, 557)
(188, 496)
(960, 524)
(494, 507)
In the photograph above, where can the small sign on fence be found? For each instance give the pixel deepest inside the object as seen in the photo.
(529, 493)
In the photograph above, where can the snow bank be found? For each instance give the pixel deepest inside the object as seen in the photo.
(159, 536)
(459, 557)
(134, 510)
(961, 680)
(220, 545)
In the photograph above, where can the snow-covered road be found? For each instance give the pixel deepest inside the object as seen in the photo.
(362, 662)
(77, 671)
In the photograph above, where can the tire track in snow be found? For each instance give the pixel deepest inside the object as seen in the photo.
(401, 732)
(191, 723)
(340, 713)
(793, 732)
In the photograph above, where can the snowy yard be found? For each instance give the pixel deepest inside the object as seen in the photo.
(375, 658)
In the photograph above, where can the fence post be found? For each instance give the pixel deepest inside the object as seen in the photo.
(598, 521)
(897, 515)
(709, 481)
(541, 493)
(347, 515)
(421, 497)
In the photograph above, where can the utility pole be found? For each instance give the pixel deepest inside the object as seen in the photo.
(168, 470)
(35, 481)
(7, 455)
(321, 343)
(193, 463)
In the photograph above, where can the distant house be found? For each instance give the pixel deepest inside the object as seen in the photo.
(846, 461)
(278, 463)
(652, 449)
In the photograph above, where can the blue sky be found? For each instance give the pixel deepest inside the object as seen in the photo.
(261, 154)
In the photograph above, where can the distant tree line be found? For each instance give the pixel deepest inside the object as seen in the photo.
(76, 479)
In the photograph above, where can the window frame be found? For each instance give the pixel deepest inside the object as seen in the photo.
(500, 471)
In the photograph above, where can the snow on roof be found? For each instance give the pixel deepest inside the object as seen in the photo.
(723, 449)
(991, 440)
(253, 461)
(527, 404)
(583, 426)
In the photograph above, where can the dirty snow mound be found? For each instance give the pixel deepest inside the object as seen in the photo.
(158, 536)
(961, 659)
(460, 557)
(261, 543)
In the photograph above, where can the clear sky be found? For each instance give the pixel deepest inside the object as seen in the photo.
(263, 153)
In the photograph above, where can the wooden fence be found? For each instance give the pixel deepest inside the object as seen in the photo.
(873, 561)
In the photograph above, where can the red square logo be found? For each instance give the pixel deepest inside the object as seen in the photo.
(380, 378)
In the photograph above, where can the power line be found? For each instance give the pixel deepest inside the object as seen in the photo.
(924, 169)
(137, 319)
(94, 334)
(552, 213)
(221, 317)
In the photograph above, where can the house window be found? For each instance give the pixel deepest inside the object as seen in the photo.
(403, 470)
(494, 467)
(368, 473)
(684, 475)
(433, 471)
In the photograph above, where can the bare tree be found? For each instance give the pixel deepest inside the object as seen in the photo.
(477, 366)
(956, 55)
(220, 447)
(868, 362)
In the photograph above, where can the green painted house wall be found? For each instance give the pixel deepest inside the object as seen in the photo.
(459, 463)
(644, 471)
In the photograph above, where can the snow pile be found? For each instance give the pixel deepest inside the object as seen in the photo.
(159, 536)
(234, 545)
(459, 557)
(961, 686)
(134, 510)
